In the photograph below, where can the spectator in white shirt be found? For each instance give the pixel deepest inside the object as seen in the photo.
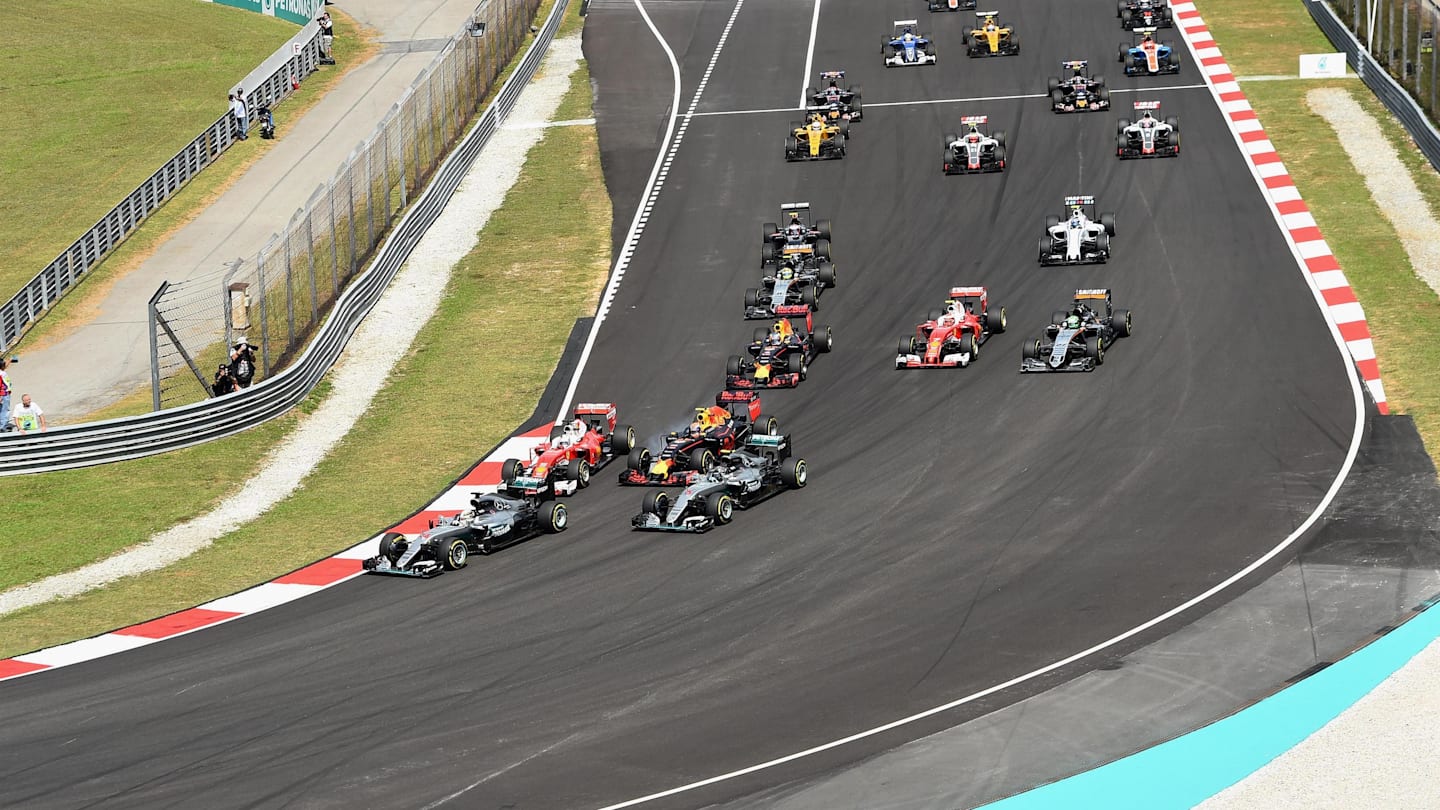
(29, 417)
(242, 118)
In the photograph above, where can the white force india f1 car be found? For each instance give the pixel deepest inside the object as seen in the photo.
(1079, 238)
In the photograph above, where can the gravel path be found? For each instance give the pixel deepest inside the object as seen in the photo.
(383, 338)
(1381, 752)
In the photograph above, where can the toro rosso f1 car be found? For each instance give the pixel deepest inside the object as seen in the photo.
(1148, 137)
(1078, 92)
(990, 38)
(576, 449)
(1079, 238)
(794, 288)
(975, 152)
(1146, 56)
(906, 48)
(1076, 340)
(839, 103)
(1143, 14)
(761, 469)
(715, 432)
(492, 522)
(780, 356)
(952, 337)
(798, 239)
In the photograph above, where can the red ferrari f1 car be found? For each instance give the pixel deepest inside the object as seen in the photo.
(576, 449)
(952, 336)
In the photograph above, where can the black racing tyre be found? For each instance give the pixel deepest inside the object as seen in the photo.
(1119, 8)
(999, 137)
(768, 230)
(1122, 323)
(452, 553)
(1057, 97)
(1121, 124)
(1104, 93)
(1107, 220)
(578, 470)
(795, 364)
(1127, 19)
(767, 253)
(702, 459)
(822, 227)
(510, 469)
(1000, 156)
(622, 439)
(822, 248)
(556, 519)
(1045, 243)
(1050, 222)
(995, 319)
(823, 338)
(950, 138)
(1121, 143)
(794, 473)
(1100, 82)
(637, 459)
(656, 502)
(1173, 123)
(1102, 244)
(809, 298)
(758, 334)
(935, 315)
(1052, 84)
(1175, 139)
(752, 297)
(967, 346)
(1124, 52)
(907, 346)
(734, 365)
(1057, 317)
(767, 425)
(389, 546)
(844, 127)
(825, 274)
(721, 506)
(1095, 350)
(1030, 349)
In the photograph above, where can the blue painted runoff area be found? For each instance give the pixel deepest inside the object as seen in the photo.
(1189, 769)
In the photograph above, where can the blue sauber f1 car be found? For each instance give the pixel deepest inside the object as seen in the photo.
(906, 47)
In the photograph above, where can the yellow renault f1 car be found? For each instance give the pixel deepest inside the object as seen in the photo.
(816, 139)
(991, 38)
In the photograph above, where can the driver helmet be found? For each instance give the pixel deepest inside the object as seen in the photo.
(1076, 70)
(573, 433)
(781, 329)
(973, 137)
(908, 36)
(989, 23)
(785, 272)
(817, 124)
(1146, 40)
(1072, 322)
(702, 418)
(1075, 213)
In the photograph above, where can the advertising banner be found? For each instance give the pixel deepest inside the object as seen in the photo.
(295, 11)
(1322, 65)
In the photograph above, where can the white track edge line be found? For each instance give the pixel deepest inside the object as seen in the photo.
(809, 58)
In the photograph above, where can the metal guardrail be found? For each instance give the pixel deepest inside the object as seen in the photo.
(162, 431)
(1395, 97)
(276, 79)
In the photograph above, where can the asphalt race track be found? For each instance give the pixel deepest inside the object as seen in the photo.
(960, 527)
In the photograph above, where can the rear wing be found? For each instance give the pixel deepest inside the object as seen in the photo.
(974, 119)
(743, 405)
(1084, 199)
(979, 15)
(899, 23)
(1140, 32)
(797, 206)
(965, 292)
(1083, 295)
(1075, 63)
(832, 74)
(1147, 105)
(606, 409)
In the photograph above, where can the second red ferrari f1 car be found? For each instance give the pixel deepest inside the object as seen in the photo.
(952, 337)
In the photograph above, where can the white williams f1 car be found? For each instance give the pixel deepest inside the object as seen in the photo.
(1079, 238)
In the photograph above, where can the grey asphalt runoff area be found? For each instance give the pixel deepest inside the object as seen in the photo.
(109, 357)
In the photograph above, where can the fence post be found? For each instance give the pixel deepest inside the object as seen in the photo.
(350, 217)
(314, 290)
(290, 287)
(264, 315)
(153, 318)
(334, 246)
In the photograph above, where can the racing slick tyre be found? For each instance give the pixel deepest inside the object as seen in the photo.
(1124, 52)
(795, 364)
(1102, 245)
(810, 299)
(758, 335)
(1108, 222)
(752, 297)
(1121, 144)
(992, 324)
(1000, 156)
(734, 366)
(1095, 350)
(656, 502)
(767, 426)
(822, 248)
(825, 274)
(822, 226)
(1174, 124)
(453, 554)
(950, 137)
(1121, 322)
(388, 548)
(701, 460)
(767, 253)
(638, 459)
(578, 470)
(557, 518)
(794, 472)
(907, 346)
(1052, 84)
(768, 230)
(1050, 222)
(1121, 125)
(511, 469)
(1104, 94)
(999, 137)
(967, 346)
(1175, 140)
(1057, 98)
(1057, 317)
(1120, 8)
(823, 339)
(1045, 243)
(1031, 349)
(622, 439)
(1126, 20)
(721, 506)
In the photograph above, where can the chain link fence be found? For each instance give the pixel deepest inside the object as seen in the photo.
(277, 298)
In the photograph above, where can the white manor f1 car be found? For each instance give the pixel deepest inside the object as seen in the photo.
(1080, 238)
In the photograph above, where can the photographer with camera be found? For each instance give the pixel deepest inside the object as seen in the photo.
(242, 364)
(224, 382)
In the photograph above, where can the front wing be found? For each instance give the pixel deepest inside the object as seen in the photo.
(421, 569)
(693, 524)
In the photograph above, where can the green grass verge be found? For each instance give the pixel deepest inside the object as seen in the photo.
(404, 450)
(99, 95)
(1260, 37)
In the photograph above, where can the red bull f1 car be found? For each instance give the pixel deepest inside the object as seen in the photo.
(576, 449)
(715, 432)
(952, 336)
(780, 356)
(1077, 338)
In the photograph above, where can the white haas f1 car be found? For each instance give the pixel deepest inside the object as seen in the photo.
(1076, 339)
(1148, 136)
(1078, 239)
(760, 469)
(906, 48)
(975, 152)
(493, 521)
